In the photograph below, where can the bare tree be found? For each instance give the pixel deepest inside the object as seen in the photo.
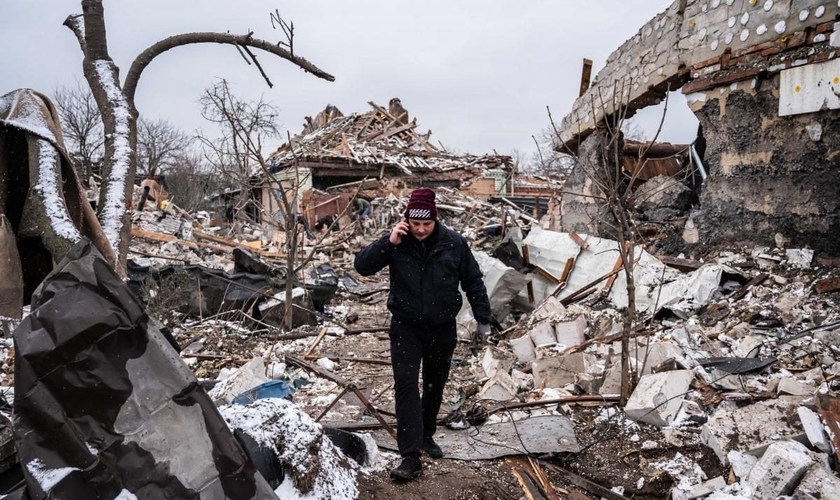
(115, 101)
(159, 145)
(603, 165)
(633, 130)
(81, 124)
(190, 181)
(236, 154)
(546, 160)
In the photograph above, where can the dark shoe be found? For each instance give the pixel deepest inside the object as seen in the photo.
(431, 448)
(409, 469)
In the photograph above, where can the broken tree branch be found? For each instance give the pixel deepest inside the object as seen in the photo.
(146, 57)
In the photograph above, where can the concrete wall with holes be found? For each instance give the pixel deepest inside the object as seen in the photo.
(675, 45)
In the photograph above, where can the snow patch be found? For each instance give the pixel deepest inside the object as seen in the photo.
(48, 169)
(28, 114)
(306, 451)
(47, 478)
(113, 207)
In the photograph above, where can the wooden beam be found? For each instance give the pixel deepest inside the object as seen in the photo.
(385, 134)
(585, 76)
(827, 285)
(593, 488)
(740, 294)
(166, 238)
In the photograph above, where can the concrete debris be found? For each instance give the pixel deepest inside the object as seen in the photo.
(559, 371)
(247, 377)
(722, 354)
(799, 258)
(742, 463)
(779, 470)
(819, 483)
(658, 397)
(500, 387)
(543, 334)
(753, 428)
(814, 429)
(707, 488)
(496, 360)
(569, 333)
(523, 347)
(791, 387)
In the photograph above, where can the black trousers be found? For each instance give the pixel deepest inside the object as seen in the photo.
(412, 344)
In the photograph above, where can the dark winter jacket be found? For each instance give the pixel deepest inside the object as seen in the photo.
(425, 276)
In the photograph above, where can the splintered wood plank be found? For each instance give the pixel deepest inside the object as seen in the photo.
(581, 482)
(366, 125)
(527, 484)
(828, 285)
(165, 238)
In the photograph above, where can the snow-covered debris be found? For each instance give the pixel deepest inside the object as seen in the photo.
(779, 470)
(315, 468)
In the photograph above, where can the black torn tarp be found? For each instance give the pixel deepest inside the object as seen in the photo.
(105, 408)
(736, 365)
(204, 291)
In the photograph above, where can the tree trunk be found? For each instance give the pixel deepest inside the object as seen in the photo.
(119, 120)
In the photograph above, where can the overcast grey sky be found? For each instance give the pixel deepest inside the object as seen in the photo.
(478, 73)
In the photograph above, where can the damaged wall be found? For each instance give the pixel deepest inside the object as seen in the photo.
(768, 173)
(691, 39)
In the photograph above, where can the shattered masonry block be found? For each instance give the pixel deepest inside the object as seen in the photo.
(793, 387)
(751, 429)
(500, 387)
(742, 463)
(543, 334)
(707, 488)
(523, 380)
(814, 429)
(818, 483)
(612, 380)
(249, 376)
(570, 333)
(749, 346)
(523, 347)
(495, 359)
(658, 397)
(589, 383)
(659, 353)
(799, 258)
(558, 371)
(779, 470)
(551, 307)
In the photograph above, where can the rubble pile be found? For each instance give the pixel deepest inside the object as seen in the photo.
(732, 361)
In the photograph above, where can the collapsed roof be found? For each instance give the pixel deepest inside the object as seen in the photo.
(376, 141)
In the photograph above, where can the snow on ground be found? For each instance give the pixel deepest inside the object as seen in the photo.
(316, 469)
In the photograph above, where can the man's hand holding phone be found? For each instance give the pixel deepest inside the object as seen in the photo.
(400, 230)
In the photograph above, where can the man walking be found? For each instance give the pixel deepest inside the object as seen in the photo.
(427, 262)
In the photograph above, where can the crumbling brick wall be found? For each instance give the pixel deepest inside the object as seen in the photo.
(768, 173)
(686, 36)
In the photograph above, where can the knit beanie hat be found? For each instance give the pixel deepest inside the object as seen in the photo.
(421, 205)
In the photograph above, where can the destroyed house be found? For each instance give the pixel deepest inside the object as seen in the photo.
(762, 80)
(381, 145)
